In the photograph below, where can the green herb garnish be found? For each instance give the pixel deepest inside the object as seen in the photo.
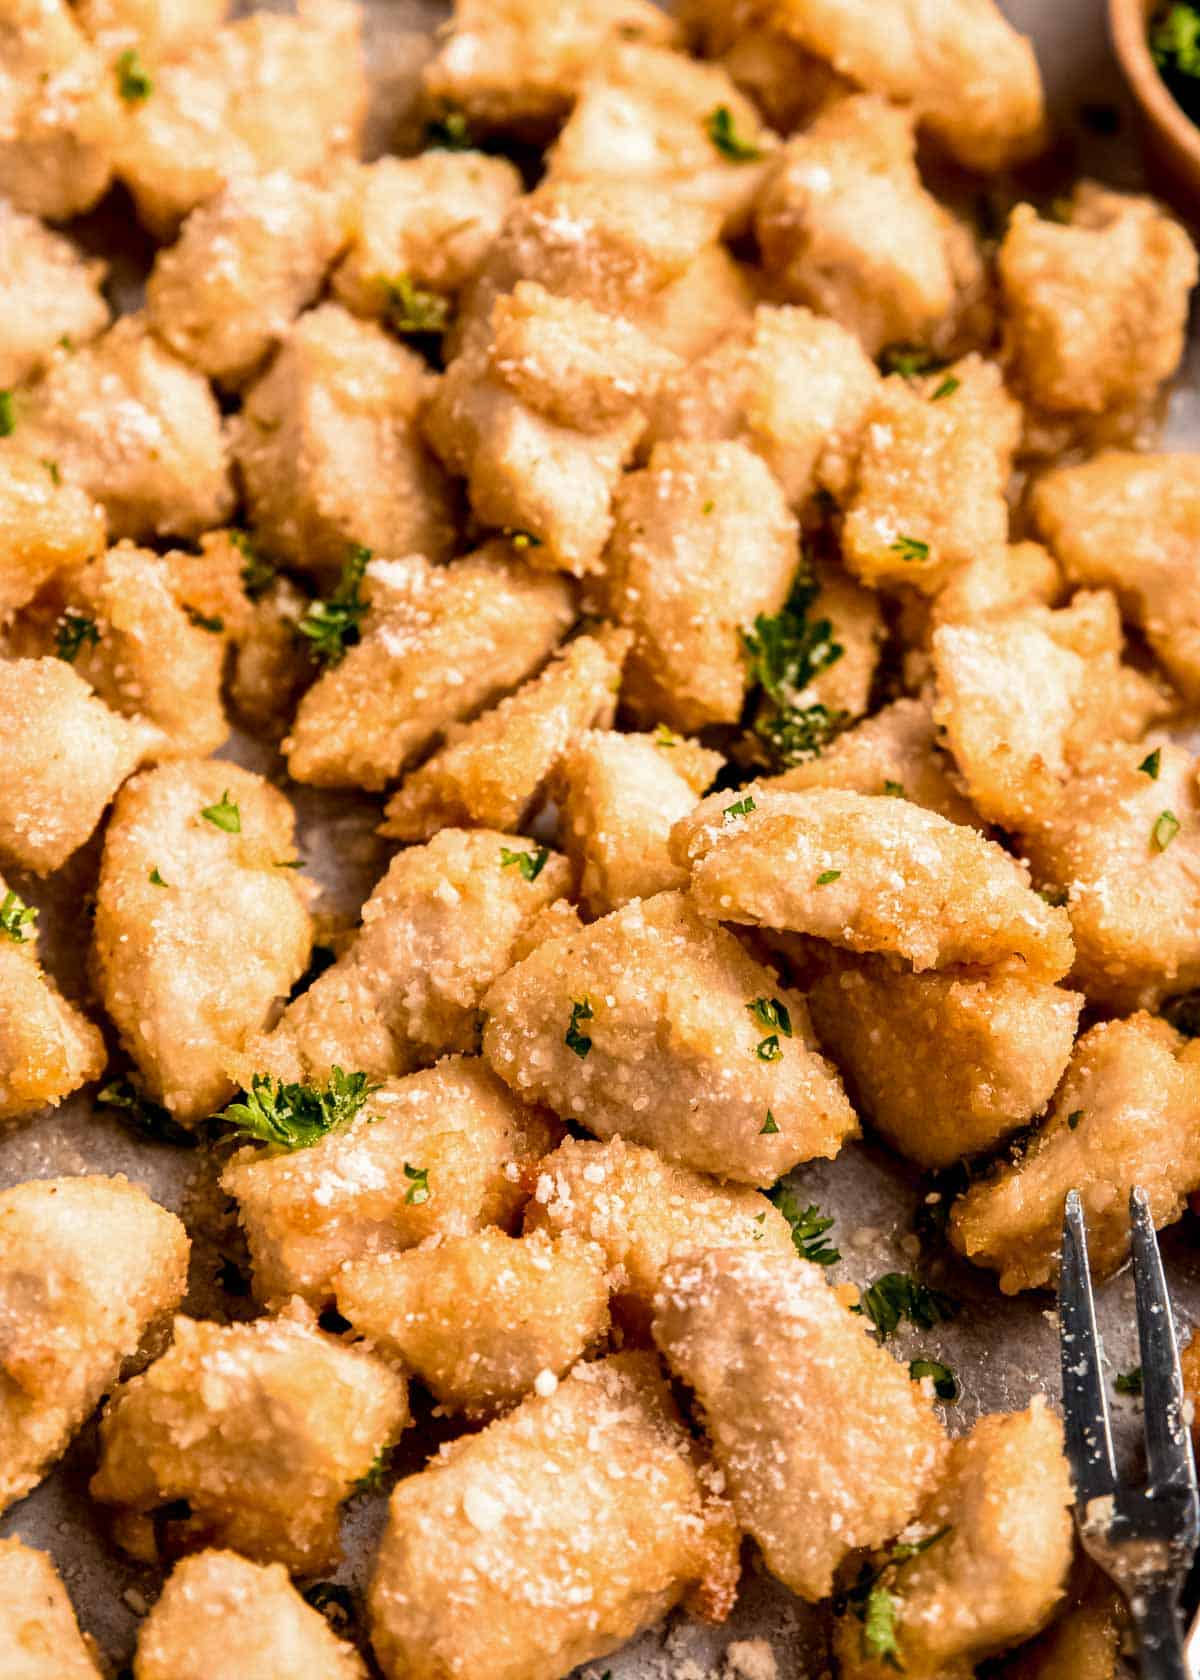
(719, 126)
(828, 875)
(808, 1225)
(664, 737)
(293, 1116)
(785, 654)
(1073, 1119)
(896, 1296)
(530, 864)
(412, 309)
(894, 790)
(910, 361)
(333, 626)
(448, 133)
(224, 815)
(947, 388)
(573, 1038)
(945, 1383)
(1151, 764)
(53, 470)
(375, 1478)
(72, 630)
(156, 879)
(1166, 827)
(910, 548)
(418, 1184)
(202, 622)
(1129, 1382)
(8, 414)
(742, 808)
(133, 79)
(16, 917)
(769, 1128)
(257, 574)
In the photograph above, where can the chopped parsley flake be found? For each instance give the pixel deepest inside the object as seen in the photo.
(769, 1049)
(257, 574)
(8, 414)
(375, 1478)
(880, 1619)
(785, 654)
(224, 815)
(910, 548)
(1175, 40)
(16, 917)
(332, 626)
(71, 632)
(1055, 897)
(573, 1038)
(530, 864)
(828, 875)
(909, 360)
(1129, 1382)
(945, 1383)
(146, 1119)
(896, 1296)
(133, 79)
(53, 469)
(947, 388)
(293, 1116)
(1166, 827)
(1151, 764)
(202, 622)
(895, 790)
(521, 540)
(1073, 1119)
(742, 808)
(664, 737)
(770, 1128)
(156, 879)
(448, 133)
(773, 1014)
(418, 1184)
(719, 126)
(808, 1225)
(412, 309)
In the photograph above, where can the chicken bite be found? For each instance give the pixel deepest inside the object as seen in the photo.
(328, 449)
(1122, 1116)
(1095, 309)
(440, 1153)
(483, 1319)
(658, 1026)
(251, 1435)
(138, 430)
(265, 92)
(160, 28)
(271, 669)
(703, 542)
(218, 1613)
(246, 262)
(824, 1442)
(560, 1532)
(1084, 1642)
(438, 645)
(1023, 574)
(993, 1050)
(200, 924)
(39, 1636)
(88, 1267)
(928, 489)
(493, 771)
(48, 293)
(48, 527)
(619, 796)
(870, 873)
(995, 1542)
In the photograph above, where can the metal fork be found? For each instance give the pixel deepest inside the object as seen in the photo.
(1143, 1538)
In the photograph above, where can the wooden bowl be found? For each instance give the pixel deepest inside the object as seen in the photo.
(1172, 139)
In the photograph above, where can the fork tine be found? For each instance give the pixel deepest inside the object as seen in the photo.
(1088, 1435)
(1169, 1459)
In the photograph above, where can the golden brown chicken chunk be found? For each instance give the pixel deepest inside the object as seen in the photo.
(221, 1614)
(258, 1430)
(551, 1538)
(1023, 574)
(1084, 1642)
(439, 644)
(996, 1542)
(39, 1636)
(658, 1026)
(271, 668)
(265, 92)
(88, 1266)
(200, 925)
(1095, 309)
(1131, 523)
(436, 931)
(825, 1443)
(48, 527)
(48, 293)
(160, 28)
(442, 1152)
(483, 1319)
(871, 873)
(493, 771)
(246, 262)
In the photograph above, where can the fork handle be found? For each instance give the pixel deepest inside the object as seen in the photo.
(1155, 1612)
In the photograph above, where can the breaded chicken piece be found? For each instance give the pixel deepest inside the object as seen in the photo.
(993, 1049)
(1121, 847)
(437, 930)
(484, 1319)
(550, 1539)
(246, 262)
(653, 1024)
(137, 429)
(494, 771)
(48, 292)
(1124, 1115)
(39, 1636)
(48, 527)
(1095, 309)
(62, 116)
(189, 965)
(48, 1048)
(870, 873)
(824, 1442)
(999, 1565)
(791, 385)
(846, 228)
(271, 669)
(703, 542)
(1084, 1642)
(1130, 523)
(1023, 574)
(857, 628)
(619, 796)
(328, 449)
(1064, 689)
(439, 644)
(265, 92)
(428, 220)
(159, 28)
(220, 1614)
(63, 755)
(897, 752)
(260, 1430)
(88, 1266)
(928, 491)
(442, 1152)
(518, 64)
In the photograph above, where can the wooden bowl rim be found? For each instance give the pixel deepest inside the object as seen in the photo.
(1128, 20)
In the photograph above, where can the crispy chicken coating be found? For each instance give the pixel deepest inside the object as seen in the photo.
(825, 1443)
(482, 1319)
(439, 644)
(656, 1025)
(999, 1567)
(870, 873)
(220, 1614)
(88, 1266)
(48, 527)
(1124, 1115)
(440, 1153)
(39, 1636)
(251, 1435)
(190, 964)
(437, 930)
(703, 541)
(48, 292)
(160, 28)
(1023, 574)
(493, 771)
(1084, 1642)
(550, 1539)
(271, 669)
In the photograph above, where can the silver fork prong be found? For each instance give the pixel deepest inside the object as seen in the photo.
(1085, 1408)
(1169, 1458)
